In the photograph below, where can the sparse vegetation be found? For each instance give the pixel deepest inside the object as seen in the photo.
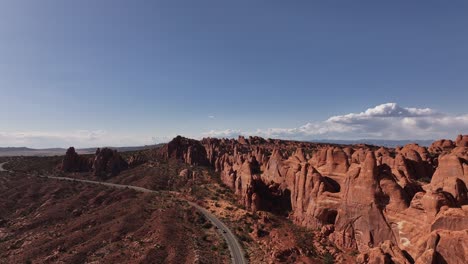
(245, 238)
(135, 217)
(304, 240)
(207, 225)
(328, 258)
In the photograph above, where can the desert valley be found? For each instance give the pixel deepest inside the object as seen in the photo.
(219, 132)
(284, 202)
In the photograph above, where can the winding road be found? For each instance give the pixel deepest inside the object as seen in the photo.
(237, 253)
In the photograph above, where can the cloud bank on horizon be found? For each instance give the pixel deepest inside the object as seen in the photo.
(385, 121)
(80, 138)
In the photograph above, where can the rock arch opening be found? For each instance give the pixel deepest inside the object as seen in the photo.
(274, 198)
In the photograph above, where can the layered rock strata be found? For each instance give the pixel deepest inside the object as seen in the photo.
(403, 205)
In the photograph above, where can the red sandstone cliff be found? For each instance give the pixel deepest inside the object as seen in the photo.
(106, 162)
(375, 200)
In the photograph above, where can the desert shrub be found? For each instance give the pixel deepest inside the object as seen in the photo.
(207, 225)
(245, 238)
(328, 258)
(224, 245)
(201, 219)
(304, 239)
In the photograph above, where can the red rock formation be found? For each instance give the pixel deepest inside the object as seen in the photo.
(188, 150)
(108, 162)
(360, 223)
(462, 141)
(442, 145)
(136, 160)
(72, 162)
(452, 175)
(418, 161)
(367, 198)
(386, 252)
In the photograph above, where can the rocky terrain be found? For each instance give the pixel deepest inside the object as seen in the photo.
(404, 205)
(303, 202)
(266, 238)
(43, 221)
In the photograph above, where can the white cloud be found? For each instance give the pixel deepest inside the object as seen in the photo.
(385, 121)
(385, 111)
(80, 138)
(211, 117)
(228, 133)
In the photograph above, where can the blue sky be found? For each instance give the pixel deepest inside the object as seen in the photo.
(114, 72)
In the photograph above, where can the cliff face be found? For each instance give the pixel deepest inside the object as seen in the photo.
(375, 200)
(187, 150)
(106, 162)
(72, 162)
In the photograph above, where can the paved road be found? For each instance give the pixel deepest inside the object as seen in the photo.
(237, 254)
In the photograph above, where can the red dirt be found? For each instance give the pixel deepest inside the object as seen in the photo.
(46, 221)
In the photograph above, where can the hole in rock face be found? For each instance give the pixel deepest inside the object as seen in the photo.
(333, 186)
(331, 217)
(273, 198)
(327, 216)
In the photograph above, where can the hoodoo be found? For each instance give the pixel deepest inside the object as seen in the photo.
(403, 205)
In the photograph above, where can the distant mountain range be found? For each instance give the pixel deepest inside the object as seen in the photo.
(23, 151)
(376, 142)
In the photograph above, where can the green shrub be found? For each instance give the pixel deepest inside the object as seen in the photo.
(328, 258)
(207, 225)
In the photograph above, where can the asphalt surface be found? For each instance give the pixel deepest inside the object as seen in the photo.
(237, 253)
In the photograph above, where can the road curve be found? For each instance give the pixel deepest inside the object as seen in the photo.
(237, 254)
